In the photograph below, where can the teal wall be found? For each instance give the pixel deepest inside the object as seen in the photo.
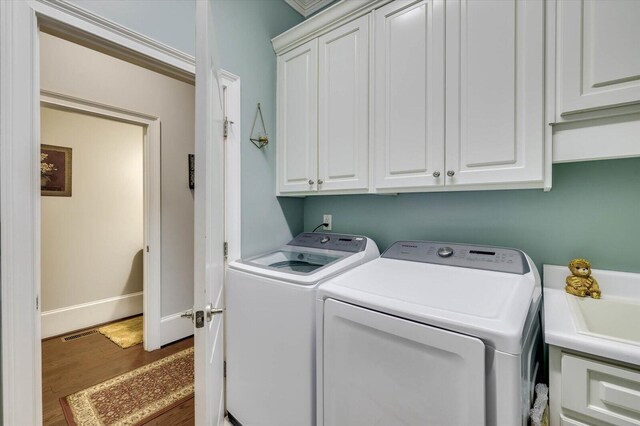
(171, 22)
(245, 29)
(593, 211)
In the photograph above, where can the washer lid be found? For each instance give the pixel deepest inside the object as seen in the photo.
(296, 261)
(488, 304)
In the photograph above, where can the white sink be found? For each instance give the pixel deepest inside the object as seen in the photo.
(612, 318)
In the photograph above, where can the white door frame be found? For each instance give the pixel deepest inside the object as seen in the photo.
(20, 182)
(231, 87)
(152, 248)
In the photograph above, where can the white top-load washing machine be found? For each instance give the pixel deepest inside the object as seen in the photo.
(430, 334)
(270, 329)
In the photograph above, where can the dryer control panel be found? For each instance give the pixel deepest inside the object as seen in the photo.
(321, 240)
(461, 255)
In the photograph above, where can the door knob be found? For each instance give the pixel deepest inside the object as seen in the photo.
(436, 174)
(320, 181)
(211, 311)
(450, 173)
(311, 182)
(187, 314)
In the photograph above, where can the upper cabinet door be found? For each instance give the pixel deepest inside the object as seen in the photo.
(409, 94)
(598, 54)
(298, 119)
(495, 92)
(343, 145)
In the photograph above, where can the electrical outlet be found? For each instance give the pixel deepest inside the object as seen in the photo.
(327, 219)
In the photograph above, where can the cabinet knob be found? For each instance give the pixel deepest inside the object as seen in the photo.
(311, 182)
(436, 174)
(450, 173)
(320, 181)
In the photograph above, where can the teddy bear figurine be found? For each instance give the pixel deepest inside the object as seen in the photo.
(580, 282)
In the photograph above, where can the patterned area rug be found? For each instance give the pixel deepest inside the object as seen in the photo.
(125, 333)
(135, 397)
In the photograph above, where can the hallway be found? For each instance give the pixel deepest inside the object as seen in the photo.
(69, 367)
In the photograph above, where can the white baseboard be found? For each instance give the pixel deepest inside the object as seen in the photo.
(173, 327)
(64, 320)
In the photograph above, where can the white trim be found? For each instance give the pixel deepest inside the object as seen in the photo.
(19, 215)
(550, 91)
(233, 165)
(174, 327)
(64, 320)
(66, 18)
(152, 275)
(20, 184)
(597, 139)
(335, 16)
(307, 7)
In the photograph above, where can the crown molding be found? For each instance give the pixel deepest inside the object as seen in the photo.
(308, 7)
(325, 21)
(62, 18)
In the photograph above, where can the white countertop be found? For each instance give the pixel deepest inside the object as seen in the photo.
(559, 327)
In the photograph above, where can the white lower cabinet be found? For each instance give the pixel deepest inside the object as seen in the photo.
(586, 391)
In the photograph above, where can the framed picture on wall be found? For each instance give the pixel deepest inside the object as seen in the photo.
(55, 171)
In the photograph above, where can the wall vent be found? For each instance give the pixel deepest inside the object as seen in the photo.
(76, 336)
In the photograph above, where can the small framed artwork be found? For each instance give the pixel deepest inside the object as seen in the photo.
(55, 171)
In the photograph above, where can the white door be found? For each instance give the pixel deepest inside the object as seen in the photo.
(343, 123)
(409, 94)
(209, 226)
(598, 55)
(495, 92)
(298, 119)
(383, 370)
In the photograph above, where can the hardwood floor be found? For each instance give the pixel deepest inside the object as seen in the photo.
(69, 367)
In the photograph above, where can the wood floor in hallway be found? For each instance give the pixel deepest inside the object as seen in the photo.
(69, 367)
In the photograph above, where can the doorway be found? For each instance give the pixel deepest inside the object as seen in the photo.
(20, 184)
(95, 216)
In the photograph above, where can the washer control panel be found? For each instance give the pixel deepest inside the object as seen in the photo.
(465, 256)
(340, 242)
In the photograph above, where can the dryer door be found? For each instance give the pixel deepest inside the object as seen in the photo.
(383, 370)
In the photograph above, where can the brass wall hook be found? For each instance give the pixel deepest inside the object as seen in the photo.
(259, 138)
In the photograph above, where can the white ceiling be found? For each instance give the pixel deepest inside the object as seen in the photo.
(308, 7)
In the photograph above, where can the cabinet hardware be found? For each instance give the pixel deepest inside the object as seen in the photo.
(450, 173)
(311, 182)
(436, 174)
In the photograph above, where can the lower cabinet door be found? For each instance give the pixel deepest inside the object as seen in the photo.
(601, 391)
(378, 369)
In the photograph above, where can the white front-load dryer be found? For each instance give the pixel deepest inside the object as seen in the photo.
(430, 334)
(270, 326)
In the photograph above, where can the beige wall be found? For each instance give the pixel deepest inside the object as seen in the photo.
(74, 70)
(92, 241)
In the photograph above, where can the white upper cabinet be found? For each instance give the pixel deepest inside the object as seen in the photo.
(409, 94)
(343, 116)
(394, 96)
(495, 92)
(298, 119)
(598, 56)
